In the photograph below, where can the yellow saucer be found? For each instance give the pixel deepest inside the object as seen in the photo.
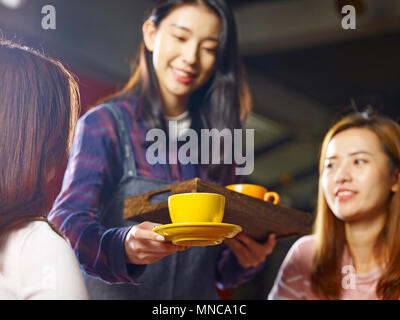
(197, 233)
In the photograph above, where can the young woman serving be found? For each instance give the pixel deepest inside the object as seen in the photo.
(188, 71)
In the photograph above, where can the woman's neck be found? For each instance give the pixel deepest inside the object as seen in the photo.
(174, 106)
(361, 238)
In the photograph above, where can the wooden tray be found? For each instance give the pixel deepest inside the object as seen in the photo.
(256, 217)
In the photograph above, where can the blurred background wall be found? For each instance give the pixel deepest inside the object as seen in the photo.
(304, 70)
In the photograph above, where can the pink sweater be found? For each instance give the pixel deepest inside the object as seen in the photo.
(293, 280)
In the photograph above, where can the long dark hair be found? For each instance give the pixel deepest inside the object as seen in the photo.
(223, 102)
(39, 105)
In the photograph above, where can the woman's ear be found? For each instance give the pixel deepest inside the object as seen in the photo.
(149, 34)
(396, 181)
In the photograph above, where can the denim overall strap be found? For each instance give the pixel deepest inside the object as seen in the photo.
(123, 136)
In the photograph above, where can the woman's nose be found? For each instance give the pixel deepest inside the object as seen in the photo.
(343, 174)
(189, 53)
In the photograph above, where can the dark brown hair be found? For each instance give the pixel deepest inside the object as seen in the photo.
(39, 106)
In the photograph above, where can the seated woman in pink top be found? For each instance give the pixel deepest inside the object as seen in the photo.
(354, 251)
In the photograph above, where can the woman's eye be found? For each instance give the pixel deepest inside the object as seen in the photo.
(359, 161)
(329, 165)
(179, 38)
(210, 50)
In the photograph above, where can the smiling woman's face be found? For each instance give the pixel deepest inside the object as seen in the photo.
(184, 48)
(356, 179)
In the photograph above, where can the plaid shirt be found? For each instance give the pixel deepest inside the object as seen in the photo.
(93, 172)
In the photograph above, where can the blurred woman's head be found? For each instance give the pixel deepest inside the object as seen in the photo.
(190, 53)
(359, 181)
(38, 110)
(183, 47)
(182, 53)
(358, 175)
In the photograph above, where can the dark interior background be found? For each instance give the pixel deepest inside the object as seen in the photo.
(304, 70)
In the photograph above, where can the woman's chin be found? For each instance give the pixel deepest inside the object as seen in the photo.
(346, 216)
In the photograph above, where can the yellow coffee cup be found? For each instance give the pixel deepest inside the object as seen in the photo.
(196, 207)
(256, 191)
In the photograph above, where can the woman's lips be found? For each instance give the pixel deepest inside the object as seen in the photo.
(345, 194)
(182, 75)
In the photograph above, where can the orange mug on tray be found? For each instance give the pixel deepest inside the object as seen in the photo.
(255, 191)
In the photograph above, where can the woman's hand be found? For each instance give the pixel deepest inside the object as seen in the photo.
(144, 246)
(249, 252)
